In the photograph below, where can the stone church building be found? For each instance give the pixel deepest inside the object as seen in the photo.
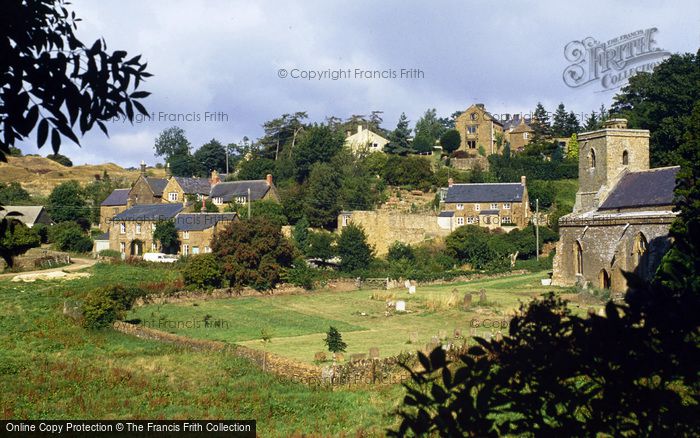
(622, 213)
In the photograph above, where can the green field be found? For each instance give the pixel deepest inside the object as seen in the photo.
(297, 323)
(52, 369)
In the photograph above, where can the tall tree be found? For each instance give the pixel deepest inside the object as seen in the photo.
(282, 133)
(662, 101)
(559, 122)
(450, 141)
(398, 138)
(318, 143)
(354, 251)
(592, 122)
(66, 203)
(51, 79)
(211, 156)
(540, 124)
(429, 127)
(172, 142)
(166, 234)
(321, 206)
(572, 125)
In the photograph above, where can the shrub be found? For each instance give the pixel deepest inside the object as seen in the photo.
(104, 306)
(399, 251)
(68, 236)
(43, 231)
(202, 272)
(354, 251)
(300, 274)
(412, 171)
(334, 341)
(111, 253)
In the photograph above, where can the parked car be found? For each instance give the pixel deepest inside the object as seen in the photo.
(159, 257)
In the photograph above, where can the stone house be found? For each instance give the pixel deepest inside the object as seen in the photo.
(241, 192)
(131, 231)
(196, 230)
(116, 202)
(490, 205)
(518, 133)
(147, 190)
(29, 215)
(622, 214)
(365, 141)
(477, 127)
(179, 189)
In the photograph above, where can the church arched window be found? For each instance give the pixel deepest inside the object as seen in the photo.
(578, 258)
(592, 158)
(625, 158)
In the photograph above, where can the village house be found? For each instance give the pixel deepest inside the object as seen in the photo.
(478, 128)
(622, 214)
(196, 230)
(365, 141)
(242, 192)
(518, 133)
(131, 231)
(116, 202)
(29, 215)
(146, 190)
(181, 189)
(490, 205)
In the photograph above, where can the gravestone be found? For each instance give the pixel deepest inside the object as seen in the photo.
(499, 336)
(407, 284)
(482, 296)
(400, 306)
(374, 353)
(339, 357)
(411, 289)
(467, 301)
(320, 356)
(457, 333)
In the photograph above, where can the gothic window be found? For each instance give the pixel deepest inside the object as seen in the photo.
(639, 252)
(592, 158)
(625, 158)
(604, 279)
(578, 258)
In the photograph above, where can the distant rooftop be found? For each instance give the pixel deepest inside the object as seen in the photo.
(149, 212)
(117, 197)
(232, 189)
(194, 186)
(157, 185)
(485, 192)
(201, 221)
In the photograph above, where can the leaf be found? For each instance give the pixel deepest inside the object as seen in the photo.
(139, 94)
(476, 351)
(55, 140)
(43, 132)
(437, 358)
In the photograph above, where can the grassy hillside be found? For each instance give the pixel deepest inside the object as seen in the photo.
(51, 368)
(39, 175)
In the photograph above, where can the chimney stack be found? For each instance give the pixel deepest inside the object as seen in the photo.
(359, 128)
(268, 178)
(214, 178)
(523, 180)
(143, 167)
(167, 170)
(450, 182)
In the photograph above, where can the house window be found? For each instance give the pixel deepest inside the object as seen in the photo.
(625, 158)
(153, 226)
(138, 228)
(241, 199)
(494, 206)
(122, 228)
(487, 219)
(505, 220)
(346, 220)
(185, 249)
(473, 116)
(470, 220)
(218, 200)
(471, 129)
(460, 220)
(172, 196)
(477, 207)
(185, 234)
(460, 206)
(122, 247)
(506, 205)
(495, 219)
(154, 247)
(525, 135)
(207, 249)
(471, 144)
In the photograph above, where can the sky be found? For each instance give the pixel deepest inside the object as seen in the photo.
(218, 65)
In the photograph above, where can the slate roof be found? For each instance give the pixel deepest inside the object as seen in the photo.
(149, 212)
(485, 192)
(103, 236)
(446, 214)
(117, 197)
(29, 214)
(648, 188)
(157, 185)
(201, 221)
(230, 190)
(194, 186)
(488, 212)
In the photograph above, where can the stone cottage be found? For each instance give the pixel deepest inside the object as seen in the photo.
(622, 214)
(196, 230)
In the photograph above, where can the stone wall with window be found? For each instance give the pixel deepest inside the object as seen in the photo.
(490, 214)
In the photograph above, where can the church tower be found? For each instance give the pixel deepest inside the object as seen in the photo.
(604, 156)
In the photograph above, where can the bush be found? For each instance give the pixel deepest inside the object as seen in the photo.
(301, 275)
(202, 272)
(400, 251)
(321, 245)
(68, 236)
(104, 306)
(412, 171)
(110, 253)
(43, 231)
(354, 251)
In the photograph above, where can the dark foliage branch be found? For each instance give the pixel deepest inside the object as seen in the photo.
(51, 81)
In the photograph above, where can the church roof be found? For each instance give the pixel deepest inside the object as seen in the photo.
(648, 188)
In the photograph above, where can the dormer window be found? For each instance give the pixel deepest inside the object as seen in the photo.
(625, 158)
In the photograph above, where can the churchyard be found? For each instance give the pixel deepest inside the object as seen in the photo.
(294, 326)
